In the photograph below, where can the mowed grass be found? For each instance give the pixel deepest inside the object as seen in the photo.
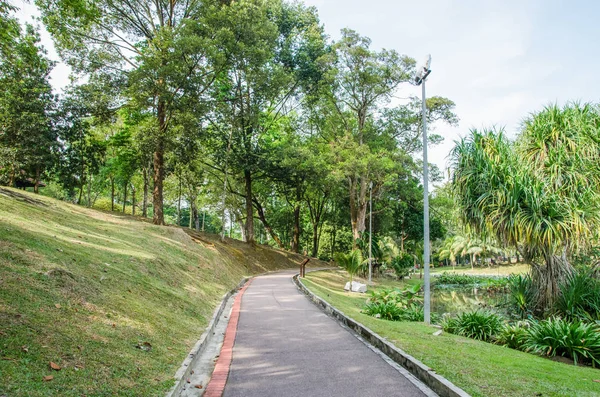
(83, 288)
(479, 368)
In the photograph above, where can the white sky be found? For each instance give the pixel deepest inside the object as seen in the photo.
(497, 60)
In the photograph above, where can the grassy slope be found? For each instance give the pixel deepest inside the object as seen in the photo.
(82, 288)
(481, 369)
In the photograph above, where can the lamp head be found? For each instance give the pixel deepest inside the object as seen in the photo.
(423, 70)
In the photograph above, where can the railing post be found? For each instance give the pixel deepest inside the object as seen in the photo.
(303, 267)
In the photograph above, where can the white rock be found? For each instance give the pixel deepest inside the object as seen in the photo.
(358, 287)
(347, 286)
(437, 333)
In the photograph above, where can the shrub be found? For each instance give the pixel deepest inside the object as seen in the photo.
(481, 325)
(513, 336)
(522, 295)
(402, 264)
(556, 336)
(491, 283)
(579, 297)
(396, 304)
(350, 262)
(385, 310)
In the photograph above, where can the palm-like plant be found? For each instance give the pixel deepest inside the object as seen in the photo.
(350, 262)
(539, 192)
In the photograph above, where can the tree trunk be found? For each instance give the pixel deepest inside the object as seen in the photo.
(315, 245)
(358, 207)
(295, 246)
(81, 183)
(267, 226)
(194, 213)
(333, 236)
(179, 204)
(249, 226)
(112, 193)
(145, 198)
(548, 278)
(159, 167)
(89, 189)
(203, 216)
(133, 200)
(36, 187)
(11, 181)
(124, 197)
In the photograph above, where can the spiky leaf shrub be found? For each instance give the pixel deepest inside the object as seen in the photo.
(560, 337)
(513, 336)
(579, 297)
(385, 310)
(481, 325)
(522, 295)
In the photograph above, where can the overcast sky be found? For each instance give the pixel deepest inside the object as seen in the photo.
(497, 60)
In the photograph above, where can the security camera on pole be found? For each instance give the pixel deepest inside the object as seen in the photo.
(422, 72)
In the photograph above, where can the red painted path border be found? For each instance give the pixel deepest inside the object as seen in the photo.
(216, 384)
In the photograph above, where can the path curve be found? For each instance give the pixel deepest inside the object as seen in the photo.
(286, 347)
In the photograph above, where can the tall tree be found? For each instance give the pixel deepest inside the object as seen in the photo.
(539, 193)
(26, 108)
(271, 55)
(161, 50)
(362, 79)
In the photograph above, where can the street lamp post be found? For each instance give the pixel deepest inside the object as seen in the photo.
(422, 74)
(370, 231)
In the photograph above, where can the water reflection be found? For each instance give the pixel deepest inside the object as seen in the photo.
(459, 299)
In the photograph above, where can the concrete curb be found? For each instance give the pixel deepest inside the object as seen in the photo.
(184, 371)
(442, 386)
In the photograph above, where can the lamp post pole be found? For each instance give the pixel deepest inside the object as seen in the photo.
(370, 231)
(427, 292)
(420, 80)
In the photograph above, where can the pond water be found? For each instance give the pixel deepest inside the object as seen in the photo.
(459, 299)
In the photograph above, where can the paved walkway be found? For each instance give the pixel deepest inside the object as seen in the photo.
(286, 347)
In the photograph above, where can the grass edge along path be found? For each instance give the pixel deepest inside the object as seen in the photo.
(115, 302)
(479, 368)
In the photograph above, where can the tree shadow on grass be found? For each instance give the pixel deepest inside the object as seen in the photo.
(21, 197)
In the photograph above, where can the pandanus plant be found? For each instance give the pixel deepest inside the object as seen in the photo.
(539, 193)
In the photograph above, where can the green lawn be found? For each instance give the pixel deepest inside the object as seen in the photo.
(481, 369)
(82, 288)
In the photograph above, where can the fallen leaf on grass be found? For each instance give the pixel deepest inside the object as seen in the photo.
(47, 378)
(54, 366)
(25, 349)
(57, 305)
(145, 346)
(596, 380)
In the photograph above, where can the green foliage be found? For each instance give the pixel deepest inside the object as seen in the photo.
(396, 304)
(384, 310)
(559, 337)
(489, 283)
(481, 325)
(579, 297)
(28, 142)
(402, 264)
(350, 262)
(522, 294)
(513, 336)
(539, 192)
